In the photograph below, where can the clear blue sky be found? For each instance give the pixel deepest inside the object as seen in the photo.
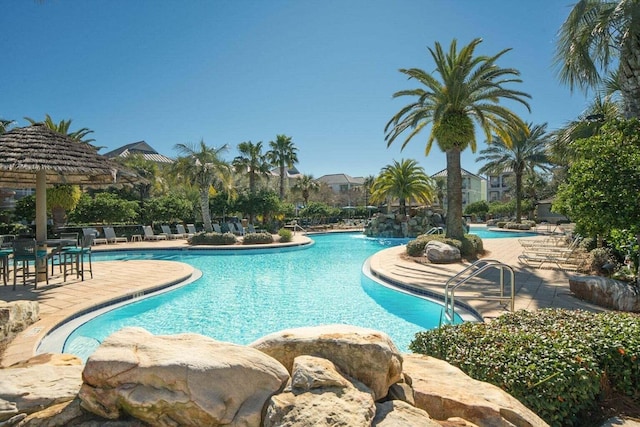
(321, 72)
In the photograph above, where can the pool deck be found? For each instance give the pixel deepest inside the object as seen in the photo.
(118, 280)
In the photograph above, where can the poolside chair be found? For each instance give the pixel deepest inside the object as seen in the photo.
(180, 229)
(562, 257)
(192, 229)
(149, 235)
(56, 252)
(110, 236)
(171, 235)
(216, 228)
(25, 255)
(235, 228)
(89, 231)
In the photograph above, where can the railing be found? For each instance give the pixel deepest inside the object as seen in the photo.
(295, 226)
(435, 230)
(472, 271)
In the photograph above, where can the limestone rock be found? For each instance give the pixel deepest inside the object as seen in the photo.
(187, 380)
(364, 354)
(402, 391)
(319, 397)
(396, 413)
(441, 253)
(444, 391)
(606, 292)
(52, 359)
(17, 316)
(32, 388)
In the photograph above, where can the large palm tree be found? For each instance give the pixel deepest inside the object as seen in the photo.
(284, 155)
(63, 127)
(470, 90)
(203, 166)
(403, 180)
(526, 153)
(306, 185)
(252, 162)
(596, 35)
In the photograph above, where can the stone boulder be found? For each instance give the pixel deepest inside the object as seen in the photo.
(441, 253)
(29, 388)
(605, 292)
(364, 354)
(187, 380)
(396, 413)
(445, 392)
(319, 395)
(17, 316)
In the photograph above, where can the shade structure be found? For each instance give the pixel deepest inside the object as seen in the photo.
(36, 156)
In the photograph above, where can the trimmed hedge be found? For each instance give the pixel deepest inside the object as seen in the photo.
(213, 239)
(470, 246)
(257, 239)
(556, 362)
(285, 235)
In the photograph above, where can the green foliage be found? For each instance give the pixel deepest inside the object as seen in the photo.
(602, 189)
(624, 245)
(319, 210)
(169, 208)
(554, 361)
(104, 208)
(498, 209)
(285, 235)
(517, 226)
(257, 239)
(25, 209)
(63, 196)
(470, 246)
(213, 239)
(480, 208)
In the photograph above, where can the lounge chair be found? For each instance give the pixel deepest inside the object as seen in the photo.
(235, 228)
(95, 233)
(563, 258)
(149, 235)
(216, 228)
(170, 234)
(192, 229)
(180, 229)
(110, 235)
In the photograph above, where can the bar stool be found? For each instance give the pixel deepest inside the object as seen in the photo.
(25, 253)
(4, 264)
(73, 258)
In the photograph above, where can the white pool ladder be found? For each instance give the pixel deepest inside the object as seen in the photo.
(472, 271)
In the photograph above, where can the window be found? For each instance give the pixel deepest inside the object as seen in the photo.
(494, 181)
(494, 196)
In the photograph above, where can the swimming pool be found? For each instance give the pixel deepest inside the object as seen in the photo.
(243, 296)
(486, 233)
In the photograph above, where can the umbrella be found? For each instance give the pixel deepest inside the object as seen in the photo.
(36, 156)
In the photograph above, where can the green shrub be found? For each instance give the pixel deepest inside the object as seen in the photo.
(285, 235)
(257, 239)
(213, 239)
(556, 362)
(470, 246)
(526, 225)
(501, 224)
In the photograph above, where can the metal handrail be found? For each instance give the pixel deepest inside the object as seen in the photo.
(435, 230)
(474, 270)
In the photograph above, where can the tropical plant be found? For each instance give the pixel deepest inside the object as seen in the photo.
(403, 180)
(202, 166)
(251, 162)
(63, 128)
(306, 185)
(146, 169)
(596, 35)
(5, 125)
(284, 155)
(470, 90)
(60, 199)
(105, 208)
(526, 153)
(601, 192)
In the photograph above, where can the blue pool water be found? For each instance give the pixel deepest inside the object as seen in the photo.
(243, 296)
(485, 233)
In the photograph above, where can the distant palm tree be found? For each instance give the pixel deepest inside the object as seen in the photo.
(203, 167)
(143, 168)
(470, 89)
(526, 153)
(5, 125)
(596, 35)
(252, 162)
(306, 185)
(403, 180)
(367, 184)
(63, 127)
(284, 155)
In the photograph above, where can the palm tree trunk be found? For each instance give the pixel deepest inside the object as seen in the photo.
(629, 76)
(282, 183)
(454, 195)
(518, 197)
(206, 214)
